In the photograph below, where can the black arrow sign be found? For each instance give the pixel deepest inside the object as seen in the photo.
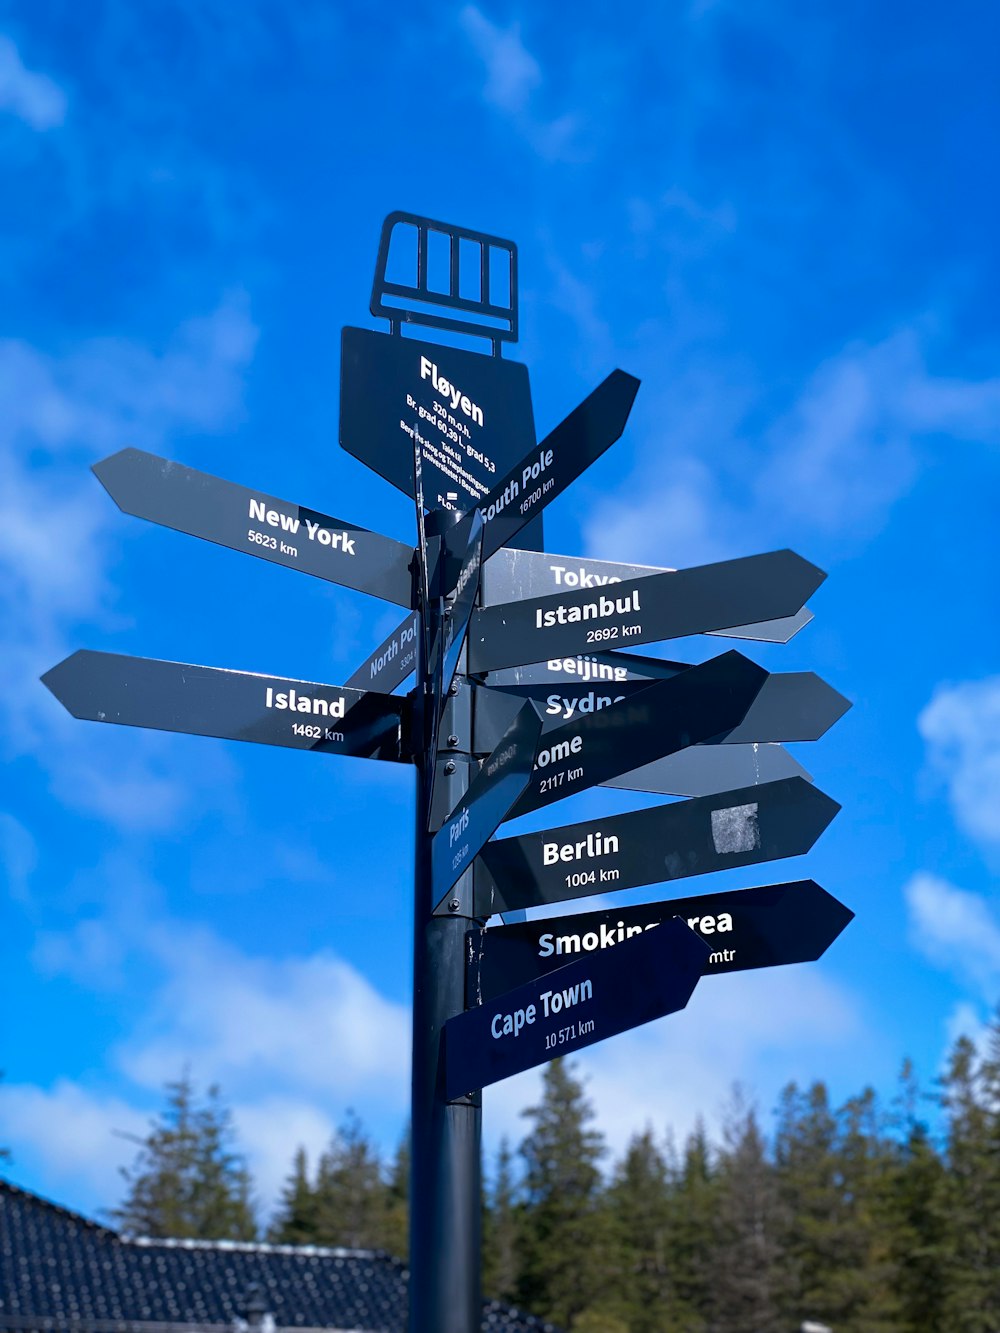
(791, 706)
(702, 770)
(579, 440)
(392, 661)
(667, 842)
(491, 793)
(669, 715)
(662, 606)
(235, 705)
(470, 414)
(219, 511)
(646, 977)
(745, 929)
(512, 575)
(465, 541)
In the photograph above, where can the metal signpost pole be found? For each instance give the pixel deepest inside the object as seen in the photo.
(454, 429)
(445, 1220)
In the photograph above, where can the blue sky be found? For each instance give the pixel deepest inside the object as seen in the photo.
(781, 218)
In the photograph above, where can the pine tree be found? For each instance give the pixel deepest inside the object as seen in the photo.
(693, 1205)
(187, 1181)
(833, 1168)
(500, 1229)
(806, 1161)
(915, 1219)
(747, 1250)
(395, 1224)
(639, 1199)
(562, 1247)
(972, 1102)
(350, 1193)
(296, 1221)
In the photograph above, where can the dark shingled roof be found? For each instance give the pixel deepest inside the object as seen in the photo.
(61, 1272)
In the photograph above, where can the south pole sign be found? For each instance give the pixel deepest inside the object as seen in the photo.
(522, 696)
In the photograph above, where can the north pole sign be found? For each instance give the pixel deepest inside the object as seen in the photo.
(527, 689)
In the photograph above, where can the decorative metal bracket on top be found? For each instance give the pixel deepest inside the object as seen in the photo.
(469, 274)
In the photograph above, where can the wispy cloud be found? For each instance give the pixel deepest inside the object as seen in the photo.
(512, 72)
(955, 930)
(843, 452)
(259, 1022)
(514, 80)
(18, 858)
(72, 1132)
(961, 726)
(61, 414)
(34, 98)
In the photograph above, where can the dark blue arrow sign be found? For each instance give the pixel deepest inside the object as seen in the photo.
(233, 705)
(703, 770)
(744, 928)
(512, 575)
(392, 661)
(501, 780)
(541, 475)
(462, 545)
(286, 534)
(646, 977)
(647, 610)
(791, 706)
(470, 414)
(664, 842)
(696, 705)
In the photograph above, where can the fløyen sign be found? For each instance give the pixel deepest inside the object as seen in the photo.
(522, 697)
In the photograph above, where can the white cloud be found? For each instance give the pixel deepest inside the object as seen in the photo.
(269, 1132)
(679, 521)
(955, 930)
(306, 1022)
(837, 458)
(512, 73)
(34, 98)
(18, 858)
(74, 1133)
(90, 953)
(513, 80)
(965, 1020)
(61, 413)
(961, 726)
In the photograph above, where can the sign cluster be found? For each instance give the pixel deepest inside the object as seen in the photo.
(542, 645)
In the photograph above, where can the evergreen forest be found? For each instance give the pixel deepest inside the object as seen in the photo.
(865, 1217)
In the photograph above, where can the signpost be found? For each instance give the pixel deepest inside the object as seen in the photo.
(665, 842)
(521, 698)
(744, 929)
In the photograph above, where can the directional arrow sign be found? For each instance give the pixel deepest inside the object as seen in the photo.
(286, 534)
(663, 606)
(646, 977)
(491, 793)
(696, 837)
(700, 703)
(470, 414)
(702, 770)
(392, 661)
(791, 706)
(745, 929)
(511, 575)
(236, 705)
(579, 440)
(466, 541)
(604, 669)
